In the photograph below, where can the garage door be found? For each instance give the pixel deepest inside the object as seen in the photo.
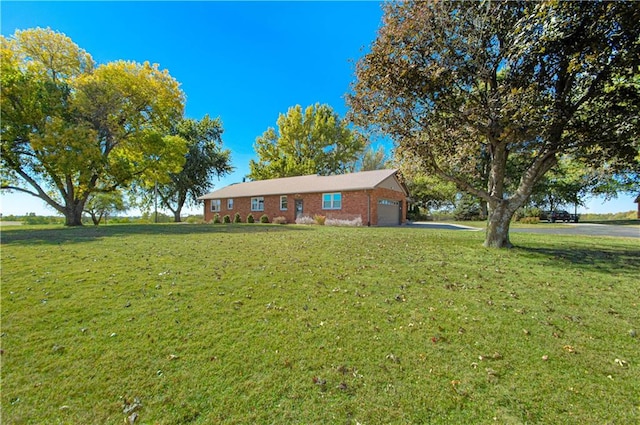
(388, 212)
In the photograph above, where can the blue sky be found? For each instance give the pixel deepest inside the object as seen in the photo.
(245, 62)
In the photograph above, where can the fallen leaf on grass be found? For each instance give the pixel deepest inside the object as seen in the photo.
(131, 407)
(569, 349)
(454, 385)
(393, 358)
(621, 363)
(494, 356)
(173, 357)
(320, 382)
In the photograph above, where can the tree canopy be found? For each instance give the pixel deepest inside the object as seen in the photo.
(503, 87)
(375, 159)
(205, 159)
(71, 128)
(313, 141)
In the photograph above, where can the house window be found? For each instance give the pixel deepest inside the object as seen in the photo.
(215, 205)
(331, 201)
(257, 204)
(229, 204)
(283, 203)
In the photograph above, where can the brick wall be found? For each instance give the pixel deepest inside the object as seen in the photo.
(354, 204)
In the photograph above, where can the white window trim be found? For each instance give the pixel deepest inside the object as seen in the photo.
(230, 203)
(215, 202)
(332, 205)
(259, 202)
(284, 198)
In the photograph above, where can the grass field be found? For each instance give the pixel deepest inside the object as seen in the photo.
(246, 324)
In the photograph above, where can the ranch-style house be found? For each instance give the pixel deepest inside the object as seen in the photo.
(378, 198)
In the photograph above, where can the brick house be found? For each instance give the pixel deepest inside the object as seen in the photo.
(377, 197)
(637, 201)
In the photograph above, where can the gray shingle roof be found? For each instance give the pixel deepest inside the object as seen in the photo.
(303, 184)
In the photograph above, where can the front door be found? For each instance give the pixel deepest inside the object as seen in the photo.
(298, 208)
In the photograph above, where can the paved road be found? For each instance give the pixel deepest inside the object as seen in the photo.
(558, 229)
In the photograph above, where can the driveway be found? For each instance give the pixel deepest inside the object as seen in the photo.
(441, 226)
(585, 229)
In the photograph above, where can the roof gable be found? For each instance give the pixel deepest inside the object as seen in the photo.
(310, 184)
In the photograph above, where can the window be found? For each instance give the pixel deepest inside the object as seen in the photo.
(215, 205)
(331, 201)
(229, 204)
(283, 203)
(257, 204)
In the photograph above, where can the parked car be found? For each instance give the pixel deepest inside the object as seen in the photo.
(559, 215)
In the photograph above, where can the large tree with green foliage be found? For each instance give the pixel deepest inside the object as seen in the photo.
(313, 141)
(205, 159)
(71, 128)
(515, 84)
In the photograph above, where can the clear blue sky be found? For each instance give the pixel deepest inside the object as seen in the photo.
(245, 62)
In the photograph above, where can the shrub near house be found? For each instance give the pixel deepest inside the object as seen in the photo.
(376, 198)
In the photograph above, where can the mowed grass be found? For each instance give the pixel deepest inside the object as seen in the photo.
(243, 324)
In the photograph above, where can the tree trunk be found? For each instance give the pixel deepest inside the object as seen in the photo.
(94, 218)
(484, 214)
(73, 214)
(176, 215)
(497, 235)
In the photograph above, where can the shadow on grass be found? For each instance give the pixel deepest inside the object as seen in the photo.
(623, 259)
(57, 235)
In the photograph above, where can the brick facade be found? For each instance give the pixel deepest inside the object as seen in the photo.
(363, 204)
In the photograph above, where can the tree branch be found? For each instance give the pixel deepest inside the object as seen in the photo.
(40, 193)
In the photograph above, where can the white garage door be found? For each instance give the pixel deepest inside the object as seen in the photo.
(388, 212)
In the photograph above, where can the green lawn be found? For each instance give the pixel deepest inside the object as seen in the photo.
(246, 324)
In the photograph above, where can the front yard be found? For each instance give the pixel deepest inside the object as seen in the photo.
(294, 324)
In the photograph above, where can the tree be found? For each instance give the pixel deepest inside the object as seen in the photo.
(515, 84)
(432, 192)
(100, 204)
(374, 159)
(70, 129)
(313, 141)
(572, 181)
(204, 160)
